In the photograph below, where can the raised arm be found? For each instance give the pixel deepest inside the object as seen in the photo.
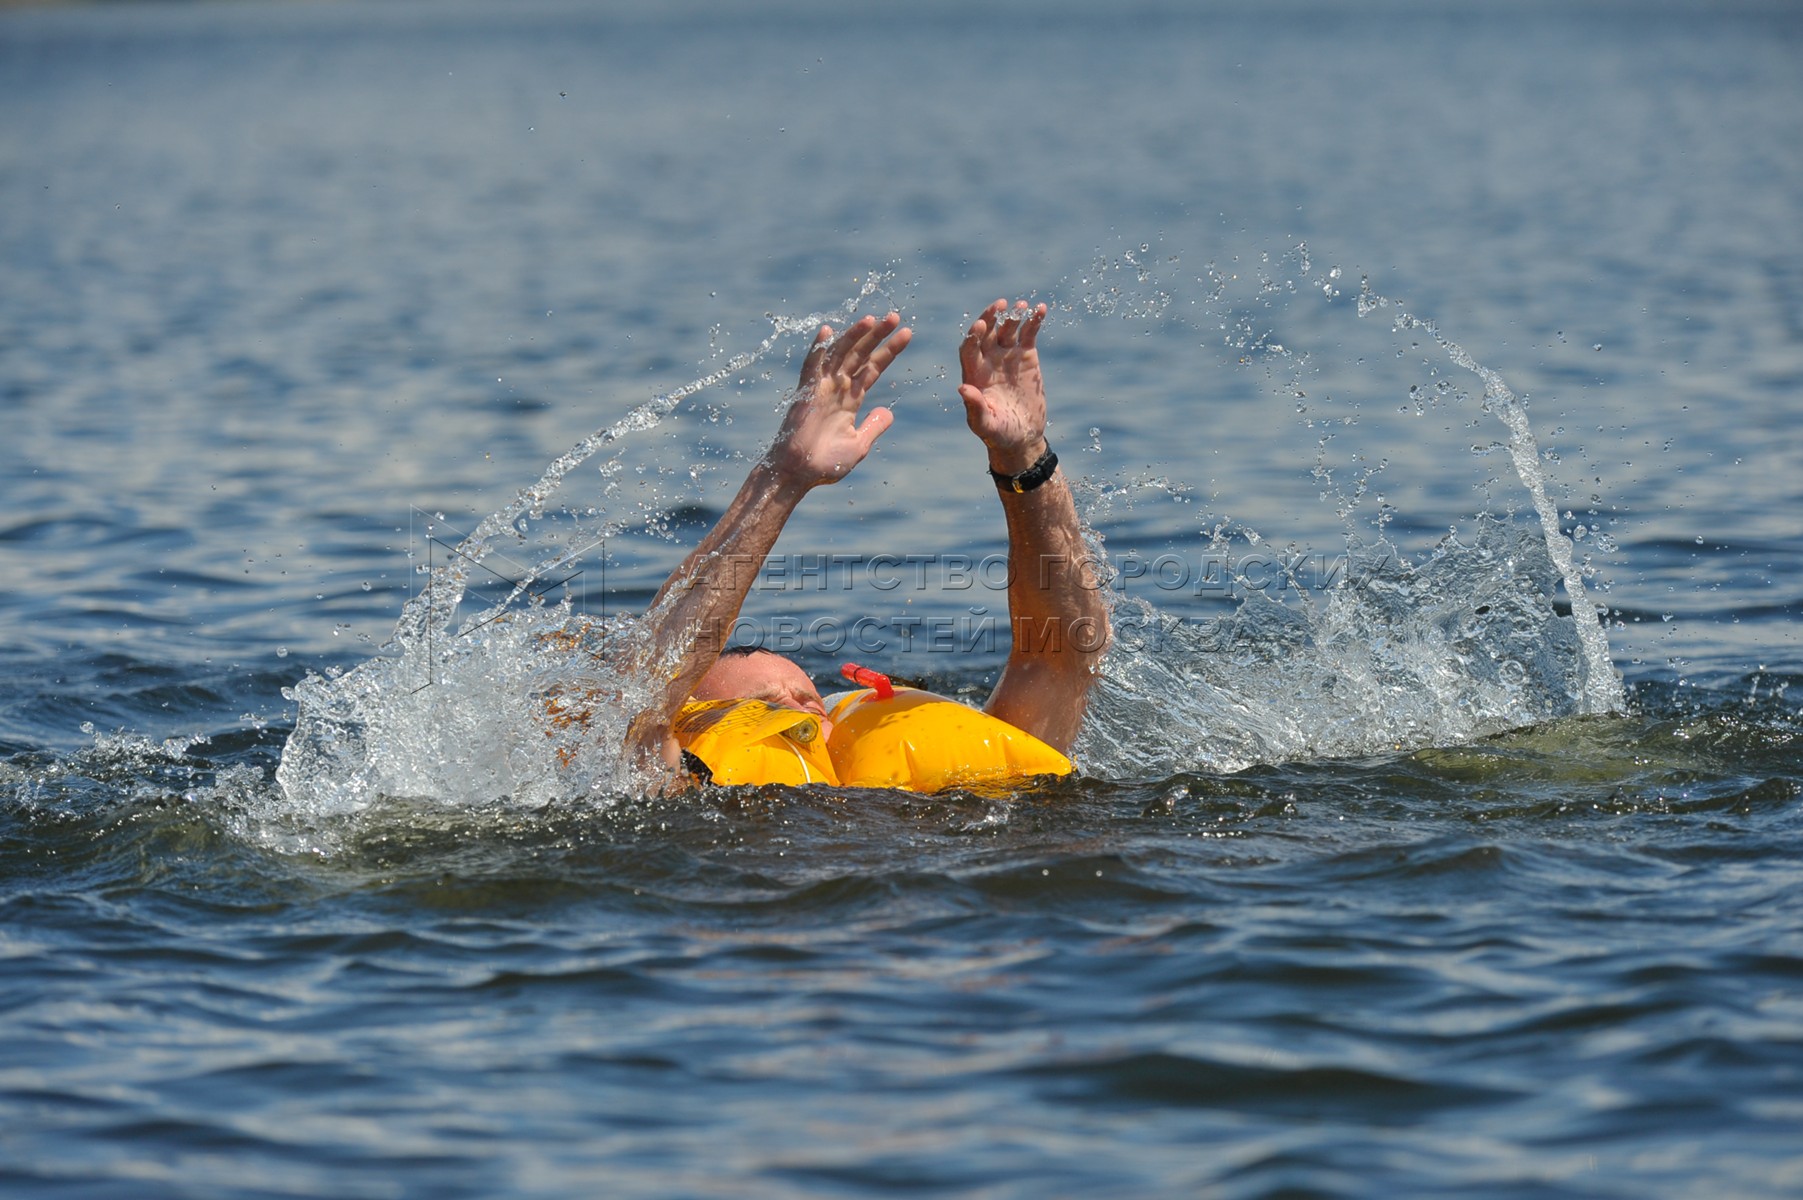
(1056, 612)
(820, 442)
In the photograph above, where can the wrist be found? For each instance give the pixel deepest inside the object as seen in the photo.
(1034, 476)
(778, 484)
(1012, 460)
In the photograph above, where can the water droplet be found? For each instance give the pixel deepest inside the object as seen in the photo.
(1598, 347)
(1699, 539)
(281, 652)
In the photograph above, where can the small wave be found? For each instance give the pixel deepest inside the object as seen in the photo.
(1318, 1090)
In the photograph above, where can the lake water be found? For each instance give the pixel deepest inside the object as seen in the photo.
(1378, 878)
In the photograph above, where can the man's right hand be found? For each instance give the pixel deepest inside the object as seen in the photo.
(820, 440)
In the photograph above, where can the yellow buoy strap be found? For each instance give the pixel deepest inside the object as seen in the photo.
(751, 720)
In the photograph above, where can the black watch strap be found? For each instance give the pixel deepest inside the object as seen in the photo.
(1030, 478)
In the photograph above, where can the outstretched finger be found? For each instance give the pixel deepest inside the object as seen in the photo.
(1004, 333)
(869, 337)
(1029, 334)
(997, 317)
(1010, 330)
(810, 366)
(841, 349)
(864, 335)
(970, 350)
(980, 333)
(886, 351)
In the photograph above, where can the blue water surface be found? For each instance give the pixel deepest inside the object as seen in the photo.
(295, 295)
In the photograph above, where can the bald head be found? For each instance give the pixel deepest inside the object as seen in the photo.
(762, 675)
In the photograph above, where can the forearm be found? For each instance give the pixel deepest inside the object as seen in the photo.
(819, 442)
(694, 612)
(1056, 610)
(1058, 617)
(747, 530)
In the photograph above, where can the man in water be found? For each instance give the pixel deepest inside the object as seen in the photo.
(1056, 612)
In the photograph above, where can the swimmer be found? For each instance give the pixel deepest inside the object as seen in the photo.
(1057, 617)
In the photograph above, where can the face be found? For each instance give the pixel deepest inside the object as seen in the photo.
(767, 677)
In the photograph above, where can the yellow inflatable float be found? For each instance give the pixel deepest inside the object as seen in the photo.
(883, 736)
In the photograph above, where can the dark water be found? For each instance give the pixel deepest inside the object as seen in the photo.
(1357, 894)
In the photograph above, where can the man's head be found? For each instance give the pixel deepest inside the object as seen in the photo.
(750, 673)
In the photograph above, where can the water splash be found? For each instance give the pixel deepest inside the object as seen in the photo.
(1601, 687)
(466, 711)
(1388, 651)
(1464, 640)
(435, 607)
(1396, 656)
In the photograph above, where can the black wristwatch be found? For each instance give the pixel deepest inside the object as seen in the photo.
(1030, 478)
